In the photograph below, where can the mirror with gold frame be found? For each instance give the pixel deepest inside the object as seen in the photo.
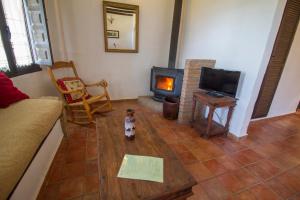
(121, 27)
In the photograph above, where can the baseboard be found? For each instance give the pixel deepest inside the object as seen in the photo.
(236, 138)
(253, 121)
(122, 100)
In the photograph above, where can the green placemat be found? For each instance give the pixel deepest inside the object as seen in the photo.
(142, 168)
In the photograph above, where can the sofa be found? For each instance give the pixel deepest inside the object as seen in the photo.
(30, 134)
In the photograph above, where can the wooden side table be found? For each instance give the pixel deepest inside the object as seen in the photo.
(207, 126)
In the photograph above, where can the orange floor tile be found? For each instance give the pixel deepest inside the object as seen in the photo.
(265, 165)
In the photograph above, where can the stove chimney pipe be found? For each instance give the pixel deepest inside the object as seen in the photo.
(175, 33)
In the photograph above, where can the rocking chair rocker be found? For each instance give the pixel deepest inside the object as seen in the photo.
(78, 102)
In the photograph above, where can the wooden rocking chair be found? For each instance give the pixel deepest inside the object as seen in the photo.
(78, 102)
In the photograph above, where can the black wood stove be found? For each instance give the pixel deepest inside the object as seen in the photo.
(166, 82)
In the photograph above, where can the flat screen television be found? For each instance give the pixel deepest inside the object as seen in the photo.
(219, 81)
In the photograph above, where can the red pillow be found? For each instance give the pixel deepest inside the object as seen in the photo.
(8, 93)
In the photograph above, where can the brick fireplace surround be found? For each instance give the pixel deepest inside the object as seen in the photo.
(190, 84)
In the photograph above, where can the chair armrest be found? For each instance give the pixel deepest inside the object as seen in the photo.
(102, 83)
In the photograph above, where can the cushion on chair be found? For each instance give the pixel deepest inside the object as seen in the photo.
(8, 93)
(71, 83)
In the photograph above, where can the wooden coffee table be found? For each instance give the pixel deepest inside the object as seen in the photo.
(113, 146)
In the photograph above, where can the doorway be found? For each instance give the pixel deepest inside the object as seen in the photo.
(281, 49)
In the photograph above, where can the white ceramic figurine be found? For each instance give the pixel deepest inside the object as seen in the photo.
(130, 124)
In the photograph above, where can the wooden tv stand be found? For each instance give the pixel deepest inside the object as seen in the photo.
(207, 126)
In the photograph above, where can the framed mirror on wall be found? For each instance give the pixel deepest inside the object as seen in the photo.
(121, 27)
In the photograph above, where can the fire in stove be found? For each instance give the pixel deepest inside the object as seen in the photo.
(164, 83)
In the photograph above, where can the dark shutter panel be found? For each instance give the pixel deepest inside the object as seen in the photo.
(37, 27)
(281, 49)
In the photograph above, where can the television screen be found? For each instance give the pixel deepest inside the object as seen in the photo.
(219, 80)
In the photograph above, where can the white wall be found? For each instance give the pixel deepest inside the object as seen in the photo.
(237, 34)
(287, 95)
(128, 74)
(55, 28)
(35, 84)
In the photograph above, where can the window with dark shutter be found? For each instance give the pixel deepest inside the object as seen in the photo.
(24, 42)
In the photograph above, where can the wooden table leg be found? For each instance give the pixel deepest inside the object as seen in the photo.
(202, 110)
(229, 115)
(193, 111)
(210, 120)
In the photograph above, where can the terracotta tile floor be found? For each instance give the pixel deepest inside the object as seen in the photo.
(265, 165)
